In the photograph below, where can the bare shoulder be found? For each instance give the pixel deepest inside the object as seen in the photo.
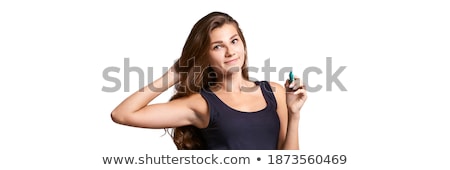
(277, 88)
(279, 92)
(197, 100)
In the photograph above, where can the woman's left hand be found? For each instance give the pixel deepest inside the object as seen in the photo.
(295, 96)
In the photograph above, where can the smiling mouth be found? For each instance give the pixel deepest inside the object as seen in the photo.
(231, 61)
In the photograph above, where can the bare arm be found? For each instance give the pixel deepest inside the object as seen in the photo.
(280, 95)
(135, 111)
(289, 103)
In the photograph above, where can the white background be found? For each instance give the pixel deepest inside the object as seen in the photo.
(393, 116)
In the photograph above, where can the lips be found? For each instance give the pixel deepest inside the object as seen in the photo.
(231, 61)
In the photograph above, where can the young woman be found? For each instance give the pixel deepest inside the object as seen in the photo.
(216, 106)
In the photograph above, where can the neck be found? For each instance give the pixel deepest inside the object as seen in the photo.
(233, 83)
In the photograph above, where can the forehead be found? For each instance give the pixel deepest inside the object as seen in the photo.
(226, 31)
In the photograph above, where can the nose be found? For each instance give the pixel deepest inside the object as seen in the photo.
(229, 53)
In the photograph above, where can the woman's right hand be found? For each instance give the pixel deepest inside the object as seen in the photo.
(138, 111)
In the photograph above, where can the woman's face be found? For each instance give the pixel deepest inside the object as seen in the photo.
(226, 50)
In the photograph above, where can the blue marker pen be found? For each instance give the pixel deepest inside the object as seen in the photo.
(291, 77)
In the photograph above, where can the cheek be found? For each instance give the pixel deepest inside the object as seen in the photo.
(215, 57)
(240, 49)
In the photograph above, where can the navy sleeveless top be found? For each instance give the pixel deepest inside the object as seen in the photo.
(236, 130)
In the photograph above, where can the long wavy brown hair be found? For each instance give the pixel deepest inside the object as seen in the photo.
(195, 73)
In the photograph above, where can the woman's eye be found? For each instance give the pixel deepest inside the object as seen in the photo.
(216, 47)
(234, 41)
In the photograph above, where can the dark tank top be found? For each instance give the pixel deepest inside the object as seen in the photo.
(237, 130)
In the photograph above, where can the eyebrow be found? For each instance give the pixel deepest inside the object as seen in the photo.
(235, 35)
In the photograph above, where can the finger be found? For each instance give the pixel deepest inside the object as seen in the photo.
(300, 91)
(294, 83)
(302, 85)
(302, 94)
(286, 84)
(298, 84)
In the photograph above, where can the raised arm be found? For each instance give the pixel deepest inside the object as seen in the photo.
(135, 111)
(289, 103)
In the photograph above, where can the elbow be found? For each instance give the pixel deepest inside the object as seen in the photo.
(117, 117)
